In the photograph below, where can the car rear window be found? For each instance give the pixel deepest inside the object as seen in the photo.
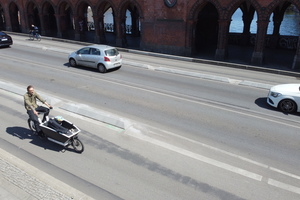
(1, 33)
(111, 52)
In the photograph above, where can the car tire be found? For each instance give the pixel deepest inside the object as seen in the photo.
(101, 68)
(72, 62)
(287, 106)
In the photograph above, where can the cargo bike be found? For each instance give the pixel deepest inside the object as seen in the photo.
(59, 131)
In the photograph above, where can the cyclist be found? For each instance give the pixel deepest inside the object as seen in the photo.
(34, 30)
(33, 108)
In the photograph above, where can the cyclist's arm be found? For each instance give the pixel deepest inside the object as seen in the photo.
(42, 100)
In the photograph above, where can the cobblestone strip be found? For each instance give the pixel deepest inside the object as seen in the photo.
(29, 184)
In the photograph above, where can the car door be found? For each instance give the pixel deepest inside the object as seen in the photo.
(83, 57)
(95, 56)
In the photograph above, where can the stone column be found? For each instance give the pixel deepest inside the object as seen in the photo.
(58, 24)
(97, 29)
(77, 27)
(43, 27)
(7, 18)
(257, 55)
(23, 24)
(277, 19)
(247, 19)
(222, 48)
(296, 63)
(102, 38)
(119, 30)
(135, 23)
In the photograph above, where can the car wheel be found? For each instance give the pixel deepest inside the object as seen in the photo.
(101, 68)
(287, 106)
(72, 62)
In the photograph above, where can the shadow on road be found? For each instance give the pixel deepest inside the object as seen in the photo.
(89, 68)
(262, 102)
(24, 133)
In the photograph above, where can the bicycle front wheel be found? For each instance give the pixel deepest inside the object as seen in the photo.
(38, 37)
(77, 145)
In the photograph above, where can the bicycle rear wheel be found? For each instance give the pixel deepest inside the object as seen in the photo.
(31, 125)
(31, 36)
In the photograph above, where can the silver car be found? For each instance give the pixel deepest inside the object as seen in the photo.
(101, 57)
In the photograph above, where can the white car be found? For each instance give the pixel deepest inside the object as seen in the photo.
(286, 97)
(101, 57)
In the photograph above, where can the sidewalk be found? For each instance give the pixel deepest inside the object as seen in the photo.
(20, 180)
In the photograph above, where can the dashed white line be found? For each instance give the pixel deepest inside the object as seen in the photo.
(284, 186)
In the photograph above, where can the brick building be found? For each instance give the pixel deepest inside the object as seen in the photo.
(181, 27)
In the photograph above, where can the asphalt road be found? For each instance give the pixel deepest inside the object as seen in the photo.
(209, 136)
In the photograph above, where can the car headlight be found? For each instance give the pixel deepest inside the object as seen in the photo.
(275, 94)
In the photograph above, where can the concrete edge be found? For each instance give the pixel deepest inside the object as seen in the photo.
(81, 109)
(46, 179)
(183, 58)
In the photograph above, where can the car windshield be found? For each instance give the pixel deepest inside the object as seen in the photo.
(111, 52)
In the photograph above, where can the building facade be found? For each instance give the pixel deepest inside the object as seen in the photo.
(180, 27)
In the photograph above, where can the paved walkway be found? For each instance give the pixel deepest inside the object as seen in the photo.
(22, 181)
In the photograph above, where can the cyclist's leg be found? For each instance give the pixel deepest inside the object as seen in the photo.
(35, 119)
(44, 110)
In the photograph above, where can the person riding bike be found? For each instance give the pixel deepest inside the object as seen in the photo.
(33, 108)
(34, 30)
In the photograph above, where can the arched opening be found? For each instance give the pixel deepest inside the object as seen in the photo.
(49, 20)
(282, 42)
(206, 32)
(66, 21)
(33, 15)
(242, 34)
(130, 26)
(109, 20)
(106, 24)
(2, 19)
(15, 17)
(85, 18)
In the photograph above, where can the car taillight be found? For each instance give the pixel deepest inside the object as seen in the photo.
(106, 59)
(120, 56)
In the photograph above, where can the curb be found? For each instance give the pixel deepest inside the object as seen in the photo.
(80, 109)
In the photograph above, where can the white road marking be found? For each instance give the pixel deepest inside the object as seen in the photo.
(218, 150)
(136, 133)
(285, 173)
(284, 186)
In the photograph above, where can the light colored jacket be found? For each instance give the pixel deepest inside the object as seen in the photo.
(30, 100)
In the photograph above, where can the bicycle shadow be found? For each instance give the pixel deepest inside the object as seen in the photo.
(26, 134)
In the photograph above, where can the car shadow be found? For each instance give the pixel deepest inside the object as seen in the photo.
(90, 69)
(262, 102)
(26, 134)
(5, 47)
